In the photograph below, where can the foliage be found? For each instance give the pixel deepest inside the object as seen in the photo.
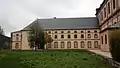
(115, 44)
(1, 31)
(37, 37)
(51, 59)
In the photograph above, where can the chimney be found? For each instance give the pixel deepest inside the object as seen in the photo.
(54, 17)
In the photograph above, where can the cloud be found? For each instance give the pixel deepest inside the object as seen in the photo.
(16, 14)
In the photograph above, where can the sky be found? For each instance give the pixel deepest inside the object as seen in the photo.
(17, 14)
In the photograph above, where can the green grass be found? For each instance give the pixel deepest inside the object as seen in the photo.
(51, 59)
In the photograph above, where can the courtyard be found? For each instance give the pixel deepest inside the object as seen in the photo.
(51, 59)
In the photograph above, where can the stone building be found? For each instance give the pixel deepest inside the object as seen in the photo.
(109, 15)
(76, 33)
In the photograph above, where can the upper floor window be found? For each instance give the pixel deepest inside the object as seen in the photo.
(55, 31)
(75, 31)
(109, 7)
(17, 34)
(49, 32)
(95, 36)
(62, 31)
(17, 38)
(62, 36)
(82, 36)
(69, 36)
(89, 36)
(101, 16)
(95, 31)
(105, 12)
(82, 31)
(88, 31)
(68, 31)
(114, 4)
(55, 36)
(75, 36)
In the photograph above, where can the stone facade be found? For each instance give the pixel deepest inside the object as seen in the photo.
(63, 39)
(108, 14)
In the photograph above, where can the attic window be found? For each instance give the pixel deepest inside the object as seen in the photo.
(75, 31)
(49, 32)
(17, 34)
(88, 31)
(62, 32)
(68, 31)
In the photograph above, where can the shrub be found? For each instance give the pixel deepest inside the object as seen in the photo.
(115, 44)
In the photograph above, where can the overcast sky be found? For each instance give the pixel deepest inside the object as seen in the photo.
(16, 14)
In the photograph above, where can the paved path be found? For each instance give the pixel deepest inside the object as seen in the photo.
(106, 54)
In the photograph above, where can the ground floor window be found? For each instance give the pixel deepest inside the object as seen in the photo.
(68, 44)
(75, 44)
(17, 45)
(82, 44)
(89, 44)
(49, 45)
(96, 44)
(55, 44)
(62, 44)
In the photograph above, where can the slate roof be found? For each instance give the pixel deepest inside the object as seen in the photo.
(66, 23)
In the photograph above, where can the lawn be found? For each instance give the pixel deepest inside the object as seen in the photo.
(51, 59)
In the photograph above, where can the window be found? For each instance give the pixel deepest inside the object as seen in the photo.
(75, 31)
(82, 36)
(109, 8)
(89, 44)
(55, 31)
(96, 44)
(55, 44)
(105, 12)
(82, 44)
(88, 31)
(69, 36)
(114, 5)
(89, 35)
(62, 31)
(55, 36)
(82, 32)
(62, 45)
(75, 44)
(68, 31)
(49, 32)
(101, 16)
(17, 46)
(17, 34)
(68, 44)
(95, 31)
(17, 38)
(62, 36)
(75, 36)
(95, 36)
(49, 45)
(105, 39)
(102, 39)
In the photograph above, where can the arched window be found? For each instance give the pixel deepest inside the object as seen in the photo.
(89, 44)
(96, 44)
(55, 36)
(49, 45)
(95, 36)
(68, 44)
(62, 44)
(82, 36)
(55, 44)
(17, 45)
(82, 44)
(89, 35)
(75, 44)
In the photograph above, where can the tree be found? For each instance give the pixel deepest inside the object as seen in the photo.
(37, 37)
(115, 44)
(1, 31)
